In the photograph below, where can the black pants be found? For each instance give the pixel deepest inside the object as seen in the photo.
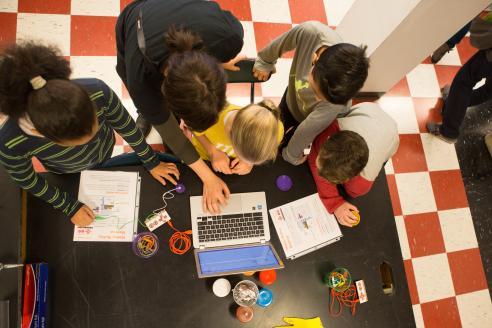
(461, 95)
(287, 119)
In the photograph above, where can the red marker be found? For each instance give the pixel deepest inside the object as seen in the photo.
(268, 277)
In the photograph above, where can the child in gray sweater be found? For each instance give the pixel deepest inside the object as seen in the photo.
(324, 76)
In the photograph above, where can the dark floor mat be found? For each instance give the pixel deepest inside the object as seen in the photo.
(476, 169)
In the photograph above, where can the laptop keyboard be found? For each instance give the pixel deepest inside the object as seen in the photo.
(230, 226)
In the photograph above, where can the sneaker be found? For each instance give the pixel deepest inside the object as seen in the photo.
(488, 142)
(439, 53)
(435, 129)
(143, 125)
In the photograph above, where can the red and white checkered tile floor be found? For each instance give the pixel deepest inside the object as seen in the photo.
(444, 270)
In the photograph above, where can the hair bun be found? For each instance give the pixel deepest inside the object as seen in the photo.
(181, 40)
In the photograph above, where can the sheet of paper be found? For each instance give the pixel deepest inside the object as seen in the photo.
(304, 225)
(113, 196)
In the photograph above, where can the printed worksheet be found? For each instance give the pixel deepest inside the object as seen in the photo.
(114, 198)
(304, 226)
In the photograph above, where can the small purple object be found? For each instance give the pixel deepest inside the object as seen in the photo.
(284, 182)
(180, 188)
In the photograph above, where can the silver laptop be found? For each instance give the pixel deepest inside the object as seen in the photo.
(234, 241)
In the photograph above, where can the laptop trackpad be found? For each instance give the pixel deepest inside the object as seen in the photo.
(234, 205)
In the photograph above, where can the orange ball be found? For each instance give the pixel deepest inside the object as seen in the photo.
(268, 277)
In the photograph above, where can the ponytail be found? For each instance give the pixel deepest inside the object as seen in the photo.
(34, 82)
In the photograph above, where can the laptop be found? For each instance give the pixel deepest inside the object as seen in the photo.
(236, 240)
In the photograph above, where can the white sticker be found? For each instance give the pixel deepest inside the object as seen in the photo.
(156, 220)
(361, 291)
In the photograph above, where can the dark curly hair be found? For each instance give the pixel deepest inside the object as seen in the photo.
(195, 83)
(341, 71)
(61, 110)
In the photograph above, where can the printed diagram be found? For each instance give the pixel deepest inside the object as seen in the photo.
(105, 207)
(304, 219)
(108, 215)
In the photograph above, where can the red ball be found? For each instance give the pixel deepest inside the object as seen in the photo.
(268, 277)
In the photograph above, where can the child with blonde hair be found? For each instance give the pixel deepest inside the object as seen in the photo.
(241, 138)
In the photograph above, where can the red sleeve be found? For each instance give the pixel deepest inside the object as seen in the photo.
(327, 191)
(357, 186)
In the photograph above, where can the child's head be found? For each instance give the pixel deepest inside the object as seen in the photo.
(195, 83)
(339, 72)
(342, 157)
(34, 84)
(254, 133)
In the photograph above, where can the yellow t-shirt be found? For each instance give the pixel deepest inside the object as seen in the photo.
(217, 135)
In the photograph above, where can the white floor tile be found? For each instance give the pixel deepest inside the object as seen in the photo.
(417, 314)
(117, 150)
(457, 229)
(96, 7)
(388, 168)
(415, 191)
(402, 236)
(439, 154)
(8, 6)
(153, 137)
(101, 67)
(249, 47)
(271, 11)
(451, 58)
(336, 10)
(402, 111)
(275, 87)
(130, 107)
(242, 101)
(422, 81)
(433, 277)
(475, 309)
(49, 29)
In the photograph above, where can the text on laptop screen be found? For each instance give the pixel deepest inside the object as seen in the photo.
(245, 258)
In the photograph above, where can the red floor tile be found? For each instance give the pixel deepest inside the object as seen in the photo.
(124, 3)
(410, 156)
(267, 32)
(467, 271)
(45, 7)
(412, 285)
(158, 147)
(449, 190)
(393, 190)
(427, 109)
(8, 29)
(445, 74)
(400, 89)
(242, 90)
(306, 10)
(465, 50)
(93, 36)
(124, 92)
(118, 139)
(424, 234)
(427, 60)
(239, 8)
(38, 167)
(441, 313)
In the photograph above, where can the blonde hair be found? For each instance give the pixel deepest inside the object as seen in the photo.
(255, 132)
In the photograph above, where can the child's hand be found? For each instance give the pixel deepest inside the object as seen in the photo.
(164, 171)
(231, 65)
(83, 217)
(345, 216)
(240, 167)
(261, 75)
(220, 161)
(215, 194)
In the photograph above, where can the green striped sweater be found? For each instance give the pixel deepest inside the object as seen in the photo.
(17, 148)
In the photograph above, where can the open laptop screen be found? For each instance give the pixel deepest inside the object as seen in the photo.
(220, 261)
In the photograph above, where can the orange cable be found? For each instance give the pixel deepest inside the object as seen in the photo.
(180, 241)
(347, 298)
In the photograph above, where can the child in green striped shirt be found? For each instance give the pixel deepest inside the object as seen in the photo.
(68, 125)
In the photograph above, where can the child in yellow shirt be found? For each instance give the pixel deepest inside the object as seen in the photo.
(241, 138)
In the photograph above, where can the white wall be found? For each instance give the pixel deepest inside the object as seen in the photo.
(401, 33)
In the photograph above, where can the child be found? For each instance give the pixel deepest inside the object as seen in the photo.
(351, 152)
(249, 136)
(68, 125)
(324, 76)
